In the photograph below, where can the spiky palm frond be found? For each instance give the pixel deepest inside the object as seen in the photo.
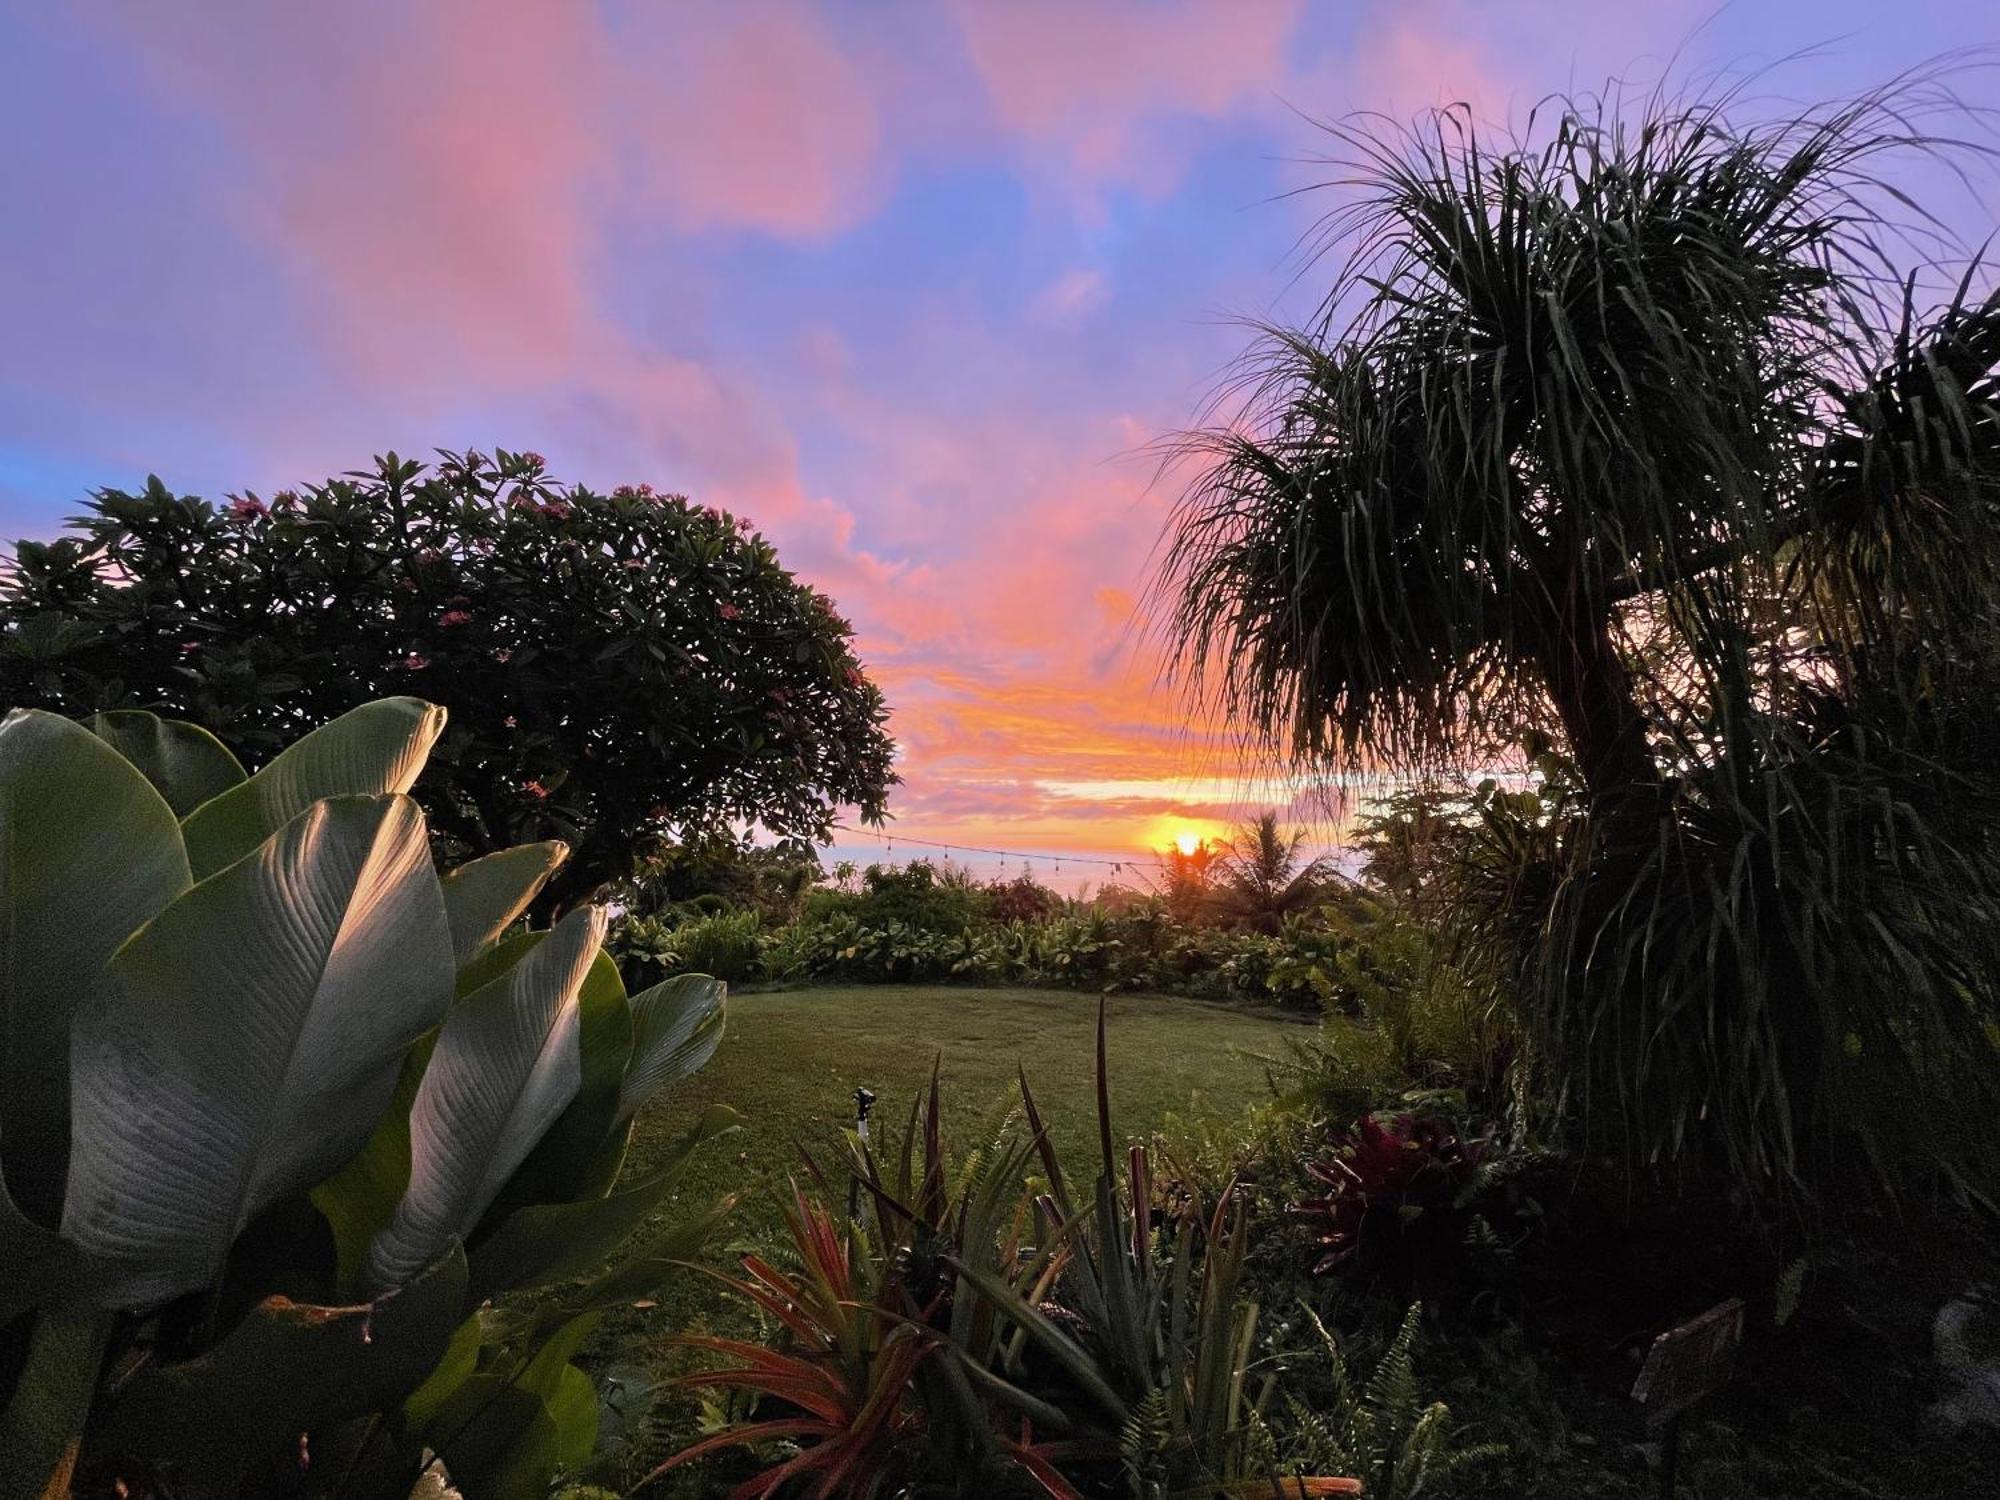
(1614, 359)
(1628, 430)
(1258, 878)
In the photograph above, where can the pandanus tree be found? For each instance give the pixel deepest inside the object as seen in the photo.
(1628, 439)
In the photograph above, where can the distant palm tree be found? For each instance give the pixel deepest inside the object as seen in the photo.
(1629, 437)
(1259, 879)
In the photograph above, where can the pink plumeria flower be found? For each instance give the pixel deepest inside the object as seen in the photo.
(536, 790)
(511, 722)
(504, 655)
(455, 617)
(248, 507)
(729, 612)
(416, 662)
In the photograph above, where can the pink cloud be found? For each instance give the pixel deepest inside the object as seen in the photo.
(1072, 295)
(763, 123)
(1084, 78)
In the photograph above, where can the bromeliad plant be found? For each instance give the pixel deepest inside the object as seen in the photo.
(1396, 1191)
(280, 1109)
(967, 1328)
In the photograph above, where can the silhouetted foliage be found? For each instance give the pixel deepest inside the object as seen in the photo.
(619, 669)
(1629, 437)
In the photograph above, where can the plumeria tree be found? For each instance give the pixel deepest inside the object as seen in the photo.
(620, 670)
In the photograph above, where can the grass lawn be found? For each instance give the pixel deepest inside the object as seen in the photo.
(791, 1060)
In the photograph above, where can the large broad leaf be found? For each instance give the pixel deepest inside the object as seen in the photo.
(676, 1027)
(247, 1040)
(43, 1421)
(88, 853)
(359, 1199)
(484, 897)
(550, 1242)
(577, 1157)
(41, 1266)
(287, 1368)
(186, 764)
(504, 1437)
(506, 1064)
(376, 749)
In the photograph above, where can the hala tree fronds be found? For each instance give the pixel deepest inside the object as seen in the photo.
(1591, 365)
(619, 669)
(1631, 433)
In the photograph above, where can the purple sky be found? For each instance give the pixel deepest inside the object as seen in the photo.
(914, 285)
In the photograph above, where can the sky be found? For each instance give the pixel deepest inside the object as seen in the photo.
(920, 287)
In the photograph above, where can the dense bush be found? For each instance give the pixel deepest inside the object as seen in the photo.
(921, 894)
(721, 943)
(284, 1110)
(618, 668)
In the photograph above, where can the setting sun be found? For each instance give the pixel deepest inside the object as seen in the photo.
(1187, 841)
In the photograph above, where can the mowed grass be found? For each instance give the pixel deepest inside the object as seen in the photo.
(790, 1062)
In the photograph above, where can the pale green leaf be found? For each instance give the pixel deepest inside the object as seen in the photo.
(506, 1064)
(247, 1040)
(186, 764)
(88, 852)
(676, 1027)
(549, 1242)
(484, 897)
(375, 749)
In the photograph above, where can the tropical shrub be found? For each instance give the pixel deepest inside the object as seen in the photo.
(1022, 899)
(284, 1109)
(922, 894)
(619, 669)
(723, 944)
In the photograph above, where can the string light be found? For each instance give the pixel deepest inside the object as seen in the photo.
(1117, 866)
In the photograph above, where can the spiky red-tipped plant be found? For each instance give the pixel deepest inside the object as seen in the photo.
(1393, 1178)
(847, 1375)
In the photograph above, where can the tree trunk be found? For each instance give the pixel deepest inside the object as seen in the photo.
(1600, 716)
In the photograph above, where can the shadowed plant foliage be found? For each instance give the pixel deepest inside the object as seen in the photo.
(1628, 438)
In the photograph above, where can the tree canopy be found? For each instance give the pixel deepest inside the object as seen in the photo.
(619, 669)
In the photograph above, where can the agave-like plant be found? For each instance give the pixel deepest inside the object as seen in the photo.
(283, 1108)
(1156, 1349)
(1628, 435)
(966, 1330)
